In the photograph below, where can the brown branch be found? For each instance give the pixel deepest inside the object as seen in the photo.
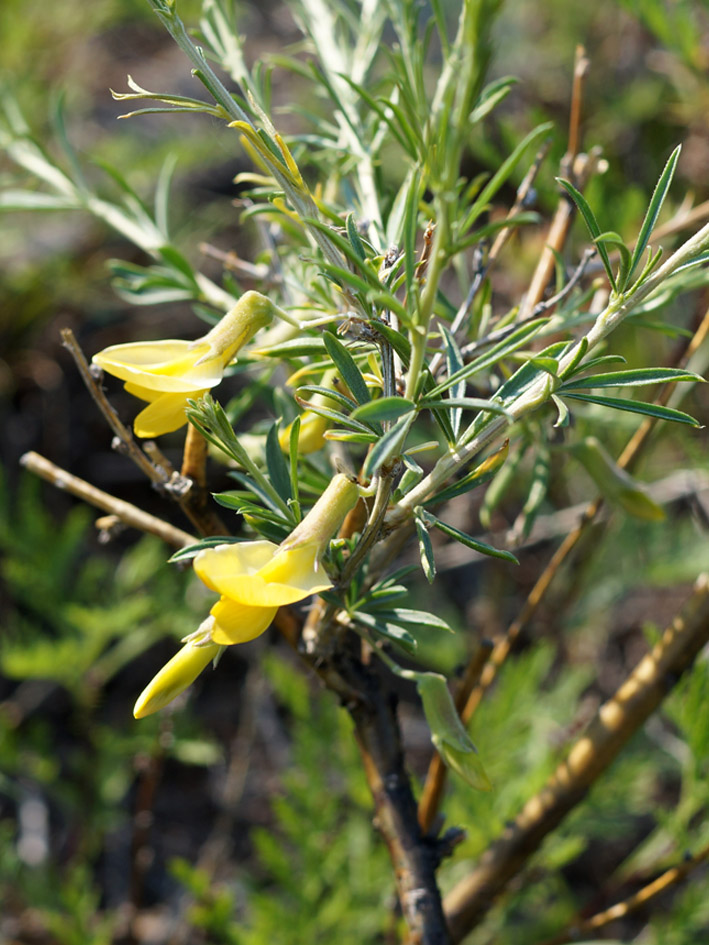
(130, 514)
(615, 722)
(579, 168)
(642, 897)
(581, 66)
(204, 520)
(125, 437)
(195, 502)
(413, 857)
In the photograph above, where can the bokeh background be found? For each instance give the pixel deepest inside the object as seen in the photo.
(242, 816)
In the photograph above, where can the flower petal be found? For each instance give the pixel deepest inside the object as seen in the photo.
(163, 415)
(217, 566)
(175, 676)
(162, 365)
(298, 569)
(239, 623)
(142, 393)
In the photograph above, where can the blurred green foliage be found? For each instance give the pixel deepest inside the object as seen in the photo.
(75, 621)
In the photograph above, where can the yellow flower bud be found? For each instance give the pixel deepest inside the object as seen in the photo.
(174, 678)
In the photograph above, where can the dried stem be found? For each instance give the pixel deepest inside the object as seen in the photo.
(642, 897)
(615, 722)
(579, 167)
(196, 500)
(130, 514)
(127, 443)
(204, 520)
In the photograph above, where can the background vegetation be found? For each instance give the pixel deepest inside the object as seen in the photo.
(243, 816)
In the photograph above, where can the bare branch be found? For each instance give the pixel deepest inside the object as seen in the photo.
(130, 514)
(615, 722)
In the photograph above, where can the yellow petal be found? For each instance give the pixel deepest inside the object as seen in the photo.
(238, 623)
(257, 574)
(216, 566)
(142, 393)
(167, 366)
(174, 678)
(163, 415)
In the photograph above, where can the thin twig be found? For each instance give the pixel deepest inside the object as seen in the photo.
(130, 514)
(500, 333)
(482, 267)
(579, 168)
(642, 897)
(413, 856)
(204, 520)
(127, 443)
(615, 722)
(581, 66)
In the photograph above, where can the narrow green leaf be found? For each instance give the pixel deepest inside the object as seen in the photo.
(278, 470)
(467, 540)
(593, 227)
(410, 231)
(501, 175)
(596, 362)
(447, 731)
(637, 406)
(391, 631)
(389, 446)
(34, 200)
(454, 362)
(191, 551)
(624, 269)
(335, 415)
(293, 466)
(499, 351)
(384, 408)
(349, 436)
(354, 237)
(653, 210)
(399, 342)
(351, 374)
(416, 618)
(632, 378)
(563, 419)
(335, 395)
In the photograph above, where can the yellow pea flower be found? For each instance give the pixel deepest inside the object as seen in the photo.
(174, 677)
(168, 373)
(253, 579)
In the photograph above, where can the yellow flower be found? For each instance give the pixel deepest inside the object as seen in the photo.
(253, 579)
(168, 373)
(174, 677)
